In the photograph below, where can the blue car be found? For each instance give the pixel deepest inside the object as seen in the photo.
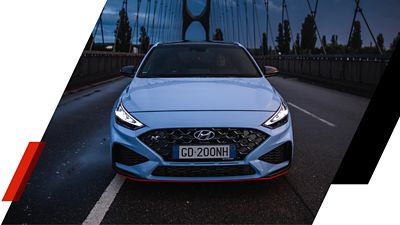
(200, 112)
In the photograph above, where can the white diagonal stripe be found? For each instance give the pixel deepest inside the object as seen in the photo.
(98, 212)
(312, 115)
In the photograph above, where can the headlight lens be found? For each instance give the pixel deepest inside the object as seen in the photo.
(279, 118)
(125, 119)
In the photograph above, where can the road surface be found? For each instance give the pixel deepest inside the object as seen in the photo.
(74, 169)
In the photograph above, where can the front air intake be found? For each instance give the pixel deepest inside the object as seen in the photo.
(123, 155)
(278, 155)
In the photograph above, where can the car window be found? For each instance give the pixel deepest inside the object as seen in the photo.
(198, 61)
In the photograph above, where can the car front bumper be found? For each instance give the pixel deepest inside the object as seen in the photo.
(144, 171)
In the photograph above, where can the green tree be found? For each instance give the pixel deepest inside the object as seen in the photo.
(380, 41)
(123, 33)
(308, 34)
(218, 36)
(297, 45)
(334, 47)
(264, 44)
(324, 43)
(280, 38)
(394, 42)
(287, 36)
(144, 40)
(355, 39)
(334, 40)
(283, 39)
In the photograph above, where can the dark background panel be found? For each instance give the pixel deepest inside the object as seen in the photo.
(374, 130)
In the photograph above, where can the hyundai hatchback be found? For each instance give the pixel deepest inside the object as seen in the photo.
(198, 112)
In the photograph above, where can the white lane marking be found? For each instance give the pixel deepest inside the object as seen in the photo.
(103, 204)
(312, 115)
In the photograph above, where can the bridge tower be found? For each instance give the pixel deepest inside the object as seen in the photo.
(203, 18)
(357, 11)
(99, 23)
(313, 13)
(285, 15)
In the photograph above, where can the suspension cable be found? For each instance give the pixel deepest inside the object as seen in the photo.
(233, 22)
(238, 20)
(290, 28)
(137, 21)
(247, 23)
(161, 13)
(212, 18)
(153, 20)
(162, 34)
(174, 23)
(266, 5)
(272, 35)
(258, 21)
(179, 20)
(146, 14)
(222, 8)
(369, 29)
(313, 14)
(254, 23)
(268, 24)
(171, 17)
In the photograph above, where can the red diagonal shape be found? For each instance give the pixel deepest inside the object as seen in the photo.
(24, 171)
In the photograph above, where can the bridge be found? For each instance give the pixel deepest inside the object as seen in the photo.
(74, 171)
(163, 21)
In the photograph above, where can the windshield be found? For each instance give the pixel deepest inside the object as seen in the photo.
(198, 61)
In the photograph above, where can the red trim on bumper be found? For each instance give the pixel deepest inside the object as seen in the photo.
(24, 171)
(204, 181)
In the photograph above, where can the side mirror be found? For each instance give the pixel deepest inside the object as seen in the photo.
(270, 71)
(128, 71)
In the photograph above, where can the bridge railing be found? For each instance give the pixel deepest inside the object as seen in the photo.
(94, 66)
(359, 74)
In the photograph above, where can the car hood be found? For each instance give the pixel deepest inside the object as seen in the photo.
(200, 94)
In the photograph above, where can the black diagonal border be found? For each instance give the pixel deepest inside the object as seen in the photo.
(375, 128)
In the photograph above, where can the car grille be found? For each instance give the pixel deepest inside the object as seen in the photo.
(123, 155)
(163, 140)
(278, 155)
(203, 171)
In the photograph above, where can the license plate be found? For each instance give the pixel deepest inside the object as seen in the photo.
(204, 152)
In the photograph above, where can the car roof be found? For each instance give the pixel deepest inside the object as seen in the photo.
(220, 43)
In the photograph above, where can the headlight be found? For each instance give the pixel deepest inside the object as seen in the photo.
(125, 119)
(279, 118)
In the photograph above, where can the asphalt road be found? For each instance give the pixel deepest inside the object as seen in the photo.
(74, 169)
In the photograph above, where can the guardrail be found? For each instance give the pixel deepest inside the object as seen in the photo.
(354, 74)
(94, 66)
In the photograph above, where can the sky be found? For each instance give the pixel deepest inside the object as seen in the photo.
(333, 17)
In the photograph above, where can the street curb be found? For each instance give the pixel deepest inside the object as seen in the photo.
(66, 93)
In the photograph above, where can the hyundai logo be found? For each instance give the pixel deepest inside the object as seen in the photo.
(204, 135)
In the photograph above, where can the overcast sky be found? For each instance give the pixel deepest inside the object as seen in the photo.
(333, 17)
